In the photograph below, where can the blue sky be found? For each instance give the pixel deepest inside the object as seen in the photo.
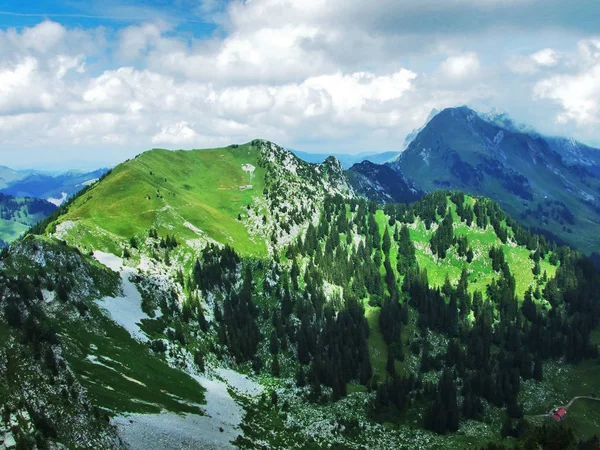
(93, 83)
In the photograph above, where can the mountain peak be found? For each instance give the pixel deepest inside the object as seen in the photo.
(487, 154)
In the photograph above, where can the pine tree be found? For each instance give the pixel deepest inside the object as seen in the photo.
(387, 242)
(538, 373)
(275, 369)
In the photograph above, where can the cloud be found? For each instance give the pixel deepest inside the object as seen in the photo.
(543, 59)
(325, 75)
(461, 66)
(546, 57)
(576, 93)
(177, 134)
(136, 40)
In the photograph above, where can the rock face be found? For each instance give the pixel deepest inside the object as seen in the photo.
(381, 183)
(34, 391)
(9, 441)
(293, 195)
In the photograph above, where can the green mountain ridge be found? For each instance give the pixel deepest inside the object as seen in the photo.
(255, 195)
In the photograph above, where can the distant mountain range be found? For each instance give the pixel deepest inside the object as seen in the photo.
(55, 188)
(550, 183)
(347, 160)
(28, 196)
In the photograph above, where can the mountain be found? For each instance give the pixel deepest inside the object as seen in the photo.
(576, 154)
(346, 159)
(257, 195)
(381, 183)
(535, 179)
(45, 285)
(572, 152)
(240, 297)
(8, 176)
(17, 215)
(55, 188)
(413, 134)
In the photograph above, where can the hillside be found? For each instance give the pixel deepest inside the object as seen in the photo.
(311, 319)
(45, 285)
(255, 196)
(17, 215)
(572, 152)
(524, 172)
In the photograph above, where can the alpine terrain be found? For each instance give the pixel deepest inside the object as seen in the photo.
(550, 184)
(240, 297)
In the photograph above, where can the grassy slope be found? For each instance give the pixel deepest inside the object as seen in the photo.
(164, 189)
(10, 231)
(537, 397)
(480, 269)
(102, 353)
(11, 228)
(480, 273)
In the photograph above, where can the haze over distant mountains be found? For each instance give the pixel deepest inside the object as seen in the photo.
(53, 187)
(28, 196)
(347, 160)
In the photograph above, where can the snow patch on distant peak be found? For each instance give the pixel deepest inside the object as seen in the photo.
(498, 138)
(425, 155)
(58, 201)
(89, 182)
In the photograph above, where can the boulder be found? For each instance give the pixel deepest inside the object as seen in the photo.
(9, 441)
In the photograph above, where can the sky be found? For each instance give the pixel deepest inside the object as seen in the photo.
(91, 83)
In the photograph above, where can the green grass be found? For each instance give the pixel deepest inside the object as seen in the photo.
(164, 189)
(480, 269)
(377, 346)
(561, 383)
(10, 231)
(130, 377)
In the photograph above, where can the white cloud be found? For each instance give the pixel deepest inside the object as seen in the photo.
(342, 74)
(44, 37)
(460, 66)
(136, 40)
(546, 57)
(176, 134)
(576, 93)
(530, 64)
